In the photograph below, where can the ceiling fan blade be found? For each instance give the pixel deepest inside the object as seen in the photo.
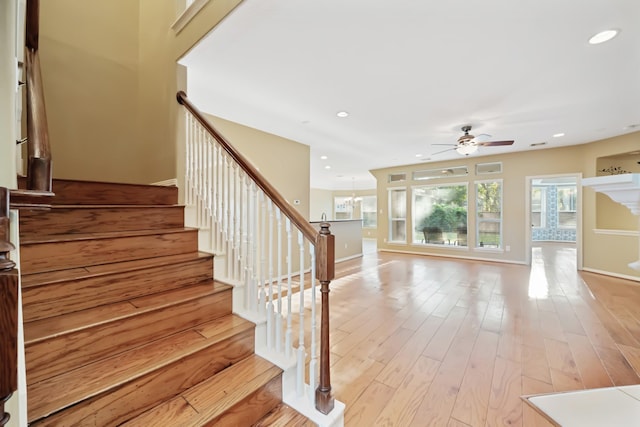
(443, 151)
(451, 145)
(494, 143)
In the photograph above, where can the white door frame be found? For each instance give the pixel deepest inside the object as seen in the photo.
(527, 231)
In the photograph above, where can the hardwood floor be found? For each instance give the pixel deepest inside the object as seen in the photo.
(427, 341)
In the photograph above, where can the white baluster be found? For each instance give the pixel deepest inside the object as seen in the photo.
(289, 334)
(251, 279)
(270, 313)
(262, 277)
(279, 261)
(301, 349)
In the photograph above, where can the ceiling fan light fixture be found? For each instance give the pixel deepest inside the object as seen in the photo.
(466, 149)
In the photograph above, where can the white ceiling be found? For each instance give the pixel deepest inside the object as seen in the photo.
(412, 72)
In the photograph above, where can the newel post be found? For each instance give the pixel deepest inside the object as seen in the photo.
(325, 271)
(8, 311)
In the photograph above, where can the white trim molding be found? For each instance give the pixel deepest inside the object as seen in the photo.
(173, 182)
(189, 13)
(630, 233)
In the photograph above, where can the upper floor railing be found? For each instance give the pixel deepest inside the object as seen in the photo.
(272, 255)
(39, 171)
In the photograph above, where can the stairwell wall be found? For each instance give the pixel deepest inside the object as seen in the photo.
(110, 78)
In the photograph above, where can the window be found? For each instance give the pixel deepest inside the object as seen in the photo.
(538, 206)
(369, 212)
(488, 168)
(343, 207)
(397, 177)
(440, 214)
(440, 173)
(489, 214)
(398, 215)
(567, 199)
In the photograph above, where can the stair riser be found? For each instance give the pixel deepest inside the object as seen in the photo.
(99, 220)
(40, 257)
(69, 192)
(40, 302)
(250, 410)
(133, 398)
(59, 354)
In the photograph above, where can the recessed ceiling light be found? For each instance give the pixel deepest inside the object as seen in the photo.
(558, 135)
(327, 167)
(342, 114)
(603, 36)
(418, 155)
(323, 157)
(537, 144)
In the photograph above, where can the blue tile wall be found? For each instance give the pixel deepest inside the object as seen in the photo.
(551, 230)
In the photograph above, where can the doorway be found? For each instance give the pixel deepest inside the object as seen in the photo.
(554, 215)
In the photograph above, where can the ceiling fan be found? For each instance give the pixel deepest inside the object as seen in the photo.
(468, 143)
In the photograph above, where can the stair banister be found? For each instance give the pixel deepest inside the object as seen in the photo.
(296, 217)
(39, 171)
(246, 225)
(8, 311)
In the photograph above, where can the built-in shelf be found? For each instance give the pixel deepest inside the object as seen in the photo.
(623, 189)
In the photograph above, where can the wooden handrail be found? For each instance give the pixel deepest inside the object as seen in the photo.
(39, 172)
(8, 311)
(323, 241)
(296, 217)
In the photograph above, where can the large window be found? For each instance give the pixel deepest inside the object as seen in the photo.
(489, 214)
(440, 214)
(567, 199)
(398, 215)
(369, 212)
(538, 206)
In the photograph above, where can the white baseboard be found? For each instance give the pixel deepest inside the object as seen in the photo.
(173, 182)
(612, 274)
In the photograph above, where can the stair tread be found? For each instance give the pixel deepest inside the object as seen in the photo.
(68, 237)
(68, 388)
(284, 416)
(212, 397)
(37, 279)
(42, 329)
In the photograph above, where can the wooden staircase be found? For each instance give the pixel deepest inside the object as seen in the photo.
(124, 322)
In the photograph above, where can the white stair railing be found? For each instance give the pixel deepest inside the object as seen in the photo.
(247, 223)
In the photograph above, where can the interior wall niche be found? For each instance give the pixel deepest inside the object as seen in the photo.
(609, 214)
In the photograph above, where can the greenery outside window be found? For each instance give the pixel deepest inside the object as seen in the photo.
(440, 214)
(489, 214)
(398, 215)
(567, 199)
(369, 212)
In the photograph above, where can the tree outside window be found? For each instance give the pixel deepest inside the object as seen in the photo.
(489, 214)
(440, 214)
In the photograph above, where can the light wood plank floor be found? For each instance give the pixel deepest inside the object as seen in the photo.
(427, 341)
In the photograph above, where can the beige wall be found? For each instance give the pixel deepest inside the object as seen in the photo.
(109, 71)
(89, 53)
(283, 162)
(321, 203)
(516, 168)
